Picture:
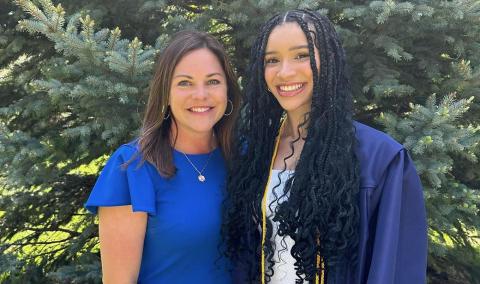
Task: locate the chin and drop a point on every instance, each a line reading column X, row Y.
column 289, row 107
column 203, row 128
column 295, row 107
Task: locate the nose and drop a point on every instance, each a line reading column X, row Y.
column 286, row 70
column 200, row 93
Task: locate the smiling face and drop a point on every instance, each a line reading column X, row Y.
column 198, row 92
column 287, row 68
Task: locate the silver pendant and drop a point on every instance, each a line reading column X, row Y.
column 201, row 178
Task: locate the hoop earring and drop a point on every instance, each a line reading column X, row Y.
column 168, row 114
column 231, row 110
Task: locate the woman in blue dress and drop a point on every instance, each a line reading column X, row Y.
column 314, row 196
column 159, row 198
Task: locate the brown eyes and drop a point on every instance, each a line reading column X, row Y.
column 271, row 60
column 300, row 56
column 213, row 82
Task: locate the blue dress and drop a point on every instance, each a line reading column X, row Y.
column 182, row 239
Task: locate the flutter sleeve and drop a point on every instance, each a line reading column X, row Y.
column 118, row 185
column 400, row 244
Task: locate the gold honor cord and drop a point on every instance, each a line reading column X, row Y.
column 264, row 211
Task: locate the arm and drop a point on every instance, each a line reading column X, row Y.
column 122, row 233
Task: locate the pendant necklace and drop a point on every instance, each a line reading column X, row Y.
column 200, row 177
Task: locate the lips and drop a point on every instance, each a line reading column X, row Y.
column 200, row 109
column 290, row 90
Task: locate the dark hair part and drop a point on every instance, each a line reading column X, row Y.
column 321, row 214
column 155, row 140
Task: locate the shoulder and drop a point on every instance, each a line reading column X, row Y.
column 131, row 147
column 124, row 180
column 375, row 151
column 371, row 138
column 127, row 151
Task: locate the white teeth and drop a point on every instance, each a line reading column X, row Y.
column 290, row 88
column 199, row 109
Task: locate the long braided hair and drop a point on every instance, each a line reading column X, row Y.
column 321, row 214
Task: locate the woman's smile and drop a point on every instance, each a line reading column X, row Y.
column 200, row 109
column 290, row 89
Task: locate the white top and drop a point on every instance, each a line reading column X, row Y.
column 284, row 269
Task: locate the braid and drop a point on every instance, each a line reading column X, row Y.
column 323, row 191
column 240, row 228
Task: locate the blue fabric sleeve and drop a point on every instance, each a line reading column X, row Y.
column 400, row 246
column 117, row 185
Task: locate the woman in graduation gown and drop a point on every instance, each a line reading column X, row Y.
column 159, row 197
column 315, row 196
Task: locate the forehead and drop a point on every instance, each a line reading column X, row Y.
column 201, row 60
column 284, row 36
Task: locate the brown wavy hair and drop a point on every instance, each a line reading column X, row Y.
column 155, row 139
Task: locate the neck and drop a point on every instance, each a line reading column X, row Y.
column 193, row 142
column 294, row 119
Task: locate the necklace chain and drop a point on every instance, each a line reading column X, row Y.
column 201, row 177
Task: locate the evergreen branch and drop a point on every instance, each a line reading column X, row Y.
column 90, row 47
column 73, row 23
column 53, row 24
column 7, row 245
column 101, row 35
column 59, row 18
column 32, row 9
column 87, row 28
column 113, row 39
column 82, row 214
column 48, row 252
column 404, row 8
column 133, row 50
column 32, row 26
column 73, row 233
column 189, row 6
column 48, row 6
column 221, row 34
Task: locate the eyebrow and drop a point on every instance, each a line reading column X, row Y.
column 291, row 48
column 191, row 78
column 214, row 74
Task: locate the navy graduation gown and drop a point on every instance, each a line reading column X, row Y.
column 393, row 230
